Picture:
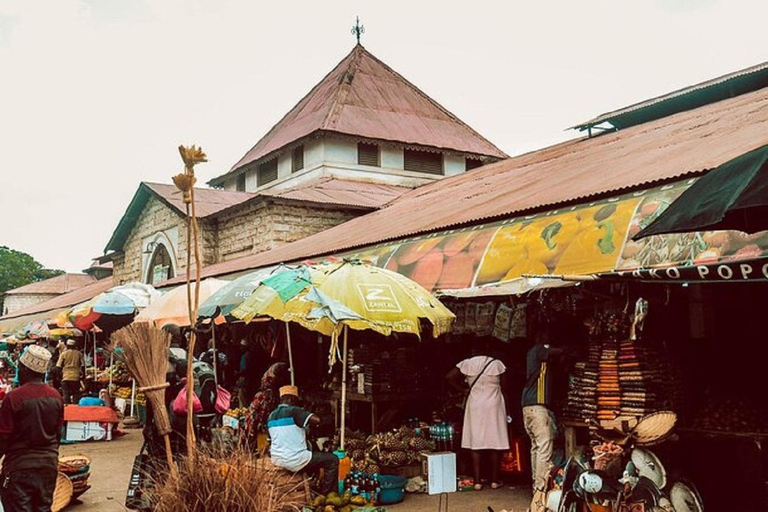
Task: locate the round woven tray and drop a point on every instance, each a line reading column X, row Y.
column 62, row 495
column 654, row 428
column 73, row 463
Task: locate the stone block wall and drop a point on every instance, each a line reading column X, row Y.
column 14, row 302
column 157, row 217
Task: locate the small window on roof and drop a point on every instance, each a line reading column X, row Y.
column 267, row 172
column 240, row 184
column 473, row 163
column 423, row 161
column 297, row 158
column 368, row 154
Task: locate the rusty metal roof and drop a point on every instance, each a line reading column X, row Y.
column 685, row 143
column 334, row 191
column 208, row 201
column 687, row 98
column 63, row 283
column 62, row 301
column 364, row 97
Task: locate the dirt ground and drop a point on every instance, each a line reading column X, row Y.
column 111, row 464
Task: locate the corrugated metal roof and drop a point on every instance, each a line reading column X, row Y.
column 208, row 201
column 688, row 142
column 63, row 283
column 328, row 190
column 65, row 300
column 716, row 89
column 364, row 97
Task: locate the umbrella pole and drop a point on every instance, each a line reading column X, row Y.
column 215, row 357
column 111, row 362
column 133, row 394
column 344, row 388
column 290, row 352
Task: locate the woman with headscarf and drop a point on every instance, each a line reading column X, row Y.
column 265, row 400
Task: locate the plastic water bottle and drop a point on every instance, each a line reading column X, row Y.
column 451, row 436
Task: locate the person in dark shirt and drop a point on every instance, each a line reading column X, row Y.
column 31, row 417
column 538, row 419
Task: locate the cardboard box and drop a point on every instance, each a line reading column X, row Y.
column 87, row 430
column 439, row 470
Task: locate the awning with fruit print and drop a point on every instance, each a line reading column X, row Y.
column 586, row 239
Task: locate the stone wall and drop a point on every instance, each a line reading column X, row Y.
column 157, row 218
column 254, row 227
column 14, row 302
column 265, row 224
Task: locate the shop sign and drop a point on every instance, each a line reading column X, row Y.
column 591, row 238
column 755, row 270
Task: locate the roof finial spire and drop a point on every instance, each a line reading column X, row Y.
column 358, row 29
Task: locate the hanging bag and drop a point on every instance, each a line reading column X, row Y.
column 179, row 405
column 469, row 391
column 223, row 400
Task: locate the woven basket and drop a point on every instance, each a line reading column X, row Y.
column 62, row 495
column 73, row 463
column 654, row 428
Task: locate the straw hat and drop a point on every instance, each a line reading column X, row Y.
column 289, row 390
column 36, row 358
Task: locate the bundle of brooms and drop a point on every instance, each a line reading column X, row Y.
column 145, row 350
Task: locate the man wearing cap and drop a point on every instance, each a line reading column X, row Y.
column 289, row 450
column 31, row 417
column 71, row 364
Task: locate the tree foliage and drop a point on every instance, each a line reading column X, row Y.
column 19, row 268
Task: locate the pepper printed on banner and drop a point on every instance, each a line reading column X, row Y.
column 593, row 238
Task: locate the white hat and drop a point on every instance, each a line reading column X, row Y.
column 71, row 342
column 36, row 358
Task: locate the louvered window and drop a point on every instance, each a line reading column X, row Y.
column 297, row 158
column 423, row 161
column 267, row 172
column 367, row 154
column 240, row 185
column 473, row 164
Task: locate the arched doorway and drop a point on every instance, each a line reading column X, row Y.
column 160, row 266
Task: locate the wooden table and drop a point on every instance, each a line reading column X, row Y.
column 375, row 400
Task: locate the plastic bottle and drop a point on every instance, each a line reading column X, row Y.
column 345, row 465
column 376, row 488
column 451, row 436
column 355, row 486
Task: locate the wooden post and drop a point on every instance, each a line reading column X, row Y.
column 344, row 387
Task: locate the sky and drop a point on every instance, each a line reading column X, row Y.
column 96, row 95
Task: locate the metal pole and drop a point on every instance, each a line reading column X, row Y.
column 111, row 363
column 290, row 352
column 133, row 394
column 215, row 357
column 344, row 388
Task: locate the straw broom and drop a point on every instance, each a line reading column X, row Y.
column 145, row 348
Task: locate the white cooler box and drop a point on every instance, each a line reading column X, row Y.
column 439, row 470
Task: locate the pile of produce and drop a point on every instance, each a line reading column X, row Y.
column 119, row 372
column 239, row 414
column 346, row 502
column 121, row 392
column 399, row 447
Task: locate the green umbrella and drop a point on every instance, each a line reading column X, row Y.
column 733, row 196
column 233, row 294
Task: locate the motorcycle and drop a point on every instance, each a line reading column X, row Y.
column 625, row 475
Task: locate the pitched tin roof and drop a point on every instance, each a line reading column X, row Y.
column 57, row 285
column 334, row 191
column 62, row 301
column 364, row 97
column 571, row 172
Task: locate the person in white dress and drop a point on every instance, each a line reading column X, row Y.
column 485, row 413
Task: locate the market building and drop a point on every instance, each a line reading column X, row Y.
column 41, row 291
column 359, row 139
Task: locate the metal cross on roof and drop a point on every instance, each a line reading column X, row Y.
column 358, row 29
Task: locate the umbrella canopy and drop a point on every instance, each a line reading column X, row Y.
column 733, row 196
column 34, row 330
column 172, row 307
column 232, row 294
column 120, row 300
column 327, row 296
